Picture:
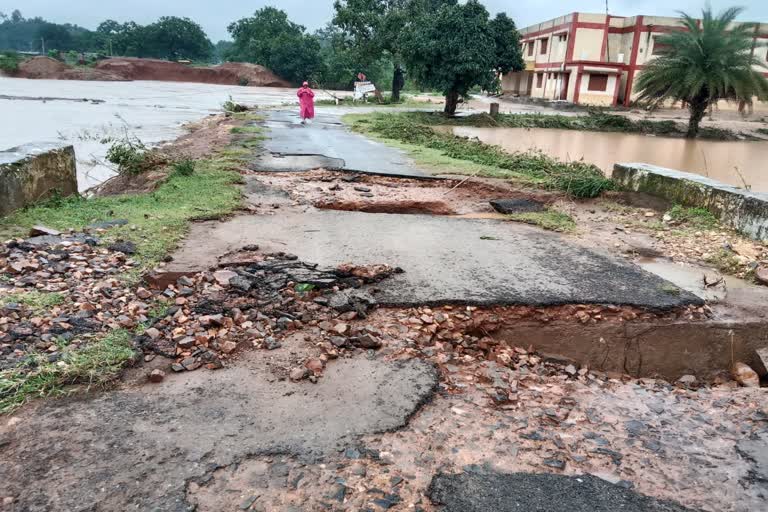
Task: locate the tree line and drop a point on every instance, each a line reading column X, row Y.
column 438, row 44
column 169, row 37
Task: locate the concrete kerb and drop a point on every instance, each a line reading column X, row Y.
column 743, row 210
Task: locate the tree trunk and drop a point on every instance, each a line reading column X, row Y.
column 451, row 102
column 398, row 82
column 698, row 110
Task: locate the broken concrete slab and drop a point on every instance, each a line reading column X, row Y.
column 509, row 206
column 482, row 491
column 145, row 447
column 327, row 142
column 446, row 260
column 35, row 172
column 743, row 210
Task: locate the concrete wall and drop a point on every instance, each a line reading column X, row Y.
column 35, row 172
column 740, row 209
column 588, row 44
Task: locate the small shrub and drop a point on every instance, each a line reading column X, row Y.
column 697, row 218
column 9, row 62
column 233, row 107
column 551, row 220
column 184, row 167
column 130, row 156
column 243, row 81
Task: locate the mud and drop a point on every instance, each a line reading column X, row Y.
column 128, row 68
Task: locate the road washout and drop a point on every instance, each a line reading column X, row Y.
column 273, row 378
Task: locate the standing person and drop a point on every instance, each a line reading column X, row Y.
column 306, row 103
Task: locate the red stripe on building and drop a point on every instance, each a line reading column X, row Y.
column 571, row 37
column 579, row 71
column 633, row 61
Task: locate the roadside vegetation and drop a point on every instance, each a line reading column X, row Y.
column 156, row 222
column 594, row 120
column 549, row 219
column 578, row 179
column 92, row 366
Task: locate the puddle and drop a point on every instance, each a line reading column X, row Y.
column 717, row 160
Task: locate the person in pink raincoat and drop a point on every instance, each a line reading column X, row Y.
column 306, row 103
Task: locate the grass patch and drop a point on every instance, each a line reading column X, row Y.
column 34, row 300
column 578, row 179
column 551, row 220
column 184, row 167
column 593, row 120
column 696, row 218
column 156, row 221
column 762, row 131
column 93, row 365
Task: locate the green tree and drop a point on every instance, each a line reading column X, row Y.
column 269, row 38
column 452, row 50
column 704, row 63
column 176, row 38
column 55, row 36
column 509, row 53
column 220, row 50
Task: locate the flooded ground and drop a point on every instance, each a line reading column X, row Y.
column 84, row 113
column 735, row 163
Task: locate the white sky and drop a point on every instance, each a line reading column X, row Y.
column 215, row 15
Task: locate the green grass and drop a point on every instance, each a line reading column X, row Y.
column 37, row 301
column 550, row 219
column 93, row 365
column 160, row 218
column 762, row 131
column 578, row 179
column 593, row 120
column 696, row 218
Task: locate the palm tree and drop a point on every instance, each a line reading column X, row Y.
column 704, row 63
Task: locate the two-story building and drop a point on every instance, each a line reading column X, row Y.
column 594, row 59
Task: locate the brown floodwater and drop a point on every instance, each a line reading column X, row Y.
column 721, row 161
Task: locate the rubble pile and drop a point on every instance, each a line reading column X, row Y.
column 61, row 291
column 215, row 313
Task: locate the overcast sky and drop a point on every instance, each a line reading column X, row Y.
column 215, row 15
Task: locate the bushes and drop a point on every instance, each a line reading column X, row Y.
column 578, row 179
column 129, row 155
column 9, row 62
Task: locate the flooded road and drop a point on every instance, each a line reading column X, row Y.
column 152, row 111
column 721, row 161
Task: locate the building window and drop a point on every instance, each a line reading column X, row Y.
column 544, row 46
column 530, row 48
column 659, row 48
column 598, row 83
column 539, row 80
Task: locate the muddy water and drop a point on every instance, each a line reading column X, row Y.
column 85, row 113
column 717, row 160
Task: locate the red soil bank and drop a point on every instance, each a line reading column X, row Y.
column 231, row 73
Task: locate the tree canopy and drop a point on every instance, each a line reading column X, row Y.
column 269, row 38
column 169, row 38
column 705, row 63
column 457, row 47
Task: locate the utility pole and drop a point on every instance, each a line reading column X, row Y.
column 42, row 43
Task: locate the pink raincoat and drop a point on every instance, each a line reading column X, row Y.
column 306, row 102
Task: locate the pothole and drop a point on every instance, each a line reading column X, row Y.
column 412, row 207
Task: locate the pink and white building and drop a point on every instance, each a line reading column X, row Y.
column 594, row 59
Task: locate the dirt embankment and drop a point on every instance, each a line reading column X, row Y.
column 124, row 68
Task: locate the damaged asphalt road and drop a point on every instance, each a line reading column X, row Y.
column 479, row 491
column 135, row 450
column 329, row 144
column 446, row 260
